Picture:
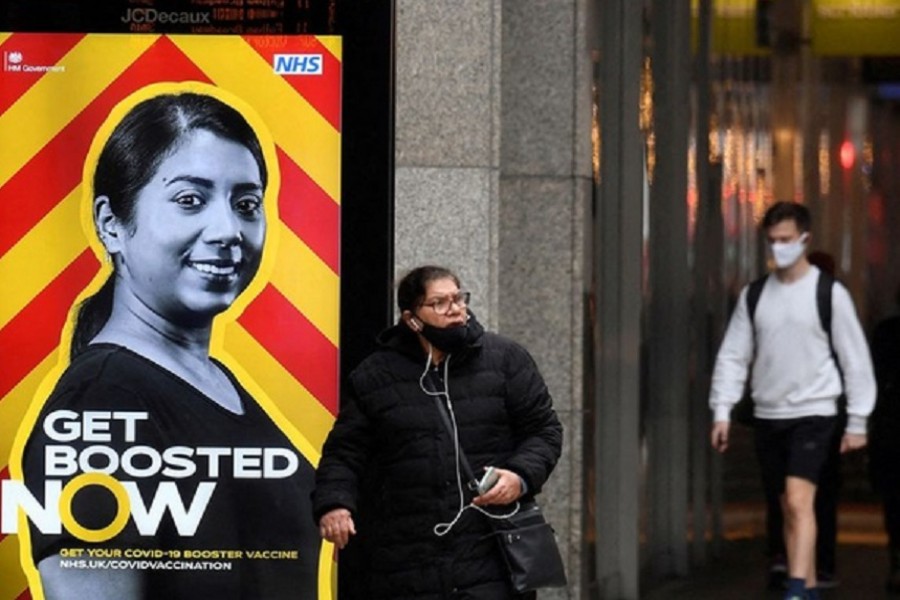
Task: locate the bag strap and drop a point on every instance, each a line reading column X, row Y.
column 463, row 465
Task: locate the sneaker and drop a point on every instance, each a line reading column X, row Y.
column 796, row 590
column 827, row 580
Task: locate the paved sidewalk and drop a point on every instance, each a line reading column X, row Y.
column 740, row 571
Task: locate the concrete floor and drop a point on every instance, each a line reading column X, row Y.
column 739, row 572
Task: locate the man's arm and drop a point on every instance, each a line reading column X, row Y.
column 853, row 441
column 852, row 351
column 719, row 435
column 732, row 367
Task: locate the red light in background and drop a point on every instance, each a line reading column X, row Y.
column 848, row 154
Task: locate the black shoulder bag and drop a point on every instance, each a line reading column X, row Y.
column 527, row 541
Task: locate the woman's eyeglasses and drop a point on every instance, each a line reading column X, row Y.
column 441, row 306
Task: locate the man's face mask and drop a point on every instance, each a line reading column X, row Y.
column 787, row 254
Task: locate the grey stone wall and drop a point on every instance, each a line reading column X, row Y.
column 447, row 122
column 545, row 190
column 493, row 167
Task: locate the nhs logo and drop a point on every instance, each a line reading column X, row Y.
column 297, row 64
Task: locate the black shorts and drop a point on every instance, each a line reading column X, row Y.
column 794, row 448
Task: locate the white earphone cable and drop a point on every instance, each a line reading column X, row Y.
column 442, row 529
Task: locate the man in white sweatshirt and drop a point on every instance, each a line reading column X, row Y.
column 795, row 382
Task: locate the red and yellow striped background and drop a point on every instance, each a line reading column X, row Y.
column 286, row 340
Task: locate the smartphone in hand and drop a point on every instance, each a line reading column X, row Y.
column 488, row 480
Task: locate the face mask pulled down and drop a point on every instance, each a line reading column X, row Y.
column 446, row 339
column 786, row 254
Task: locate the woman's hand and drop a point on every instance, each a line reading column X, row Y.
column 337, row 526
column 506, row 491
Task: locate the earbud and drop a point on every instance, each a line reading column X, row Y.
column 413, row 324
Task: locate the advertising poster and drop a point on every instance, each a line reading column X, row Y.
column 169, row 258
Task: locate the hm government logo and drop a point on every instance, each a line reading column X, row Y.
column 297, row 64
column 14, row 62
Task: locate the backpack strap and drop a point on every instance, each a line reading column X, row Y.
column 754, row 291
column 743, row 411
column 823, row 301
column 823, row 304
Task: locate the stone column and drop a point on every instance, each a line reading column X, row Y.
column 545, row 190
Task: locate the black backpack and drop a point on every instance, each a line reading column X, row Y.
column 742, row 412
column 823, row 304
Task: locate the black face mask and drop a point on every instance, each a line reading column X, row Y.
column 446, row 339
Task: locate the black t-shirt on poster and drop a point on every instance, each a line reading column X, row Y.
column 118, row 412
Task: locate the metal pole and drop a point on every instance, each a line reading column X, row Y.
column 669, row 333
column 617, row 278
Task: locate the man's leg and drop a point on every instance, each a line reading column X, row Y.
column 800, row 529
column 810, row 443
column 771, row 452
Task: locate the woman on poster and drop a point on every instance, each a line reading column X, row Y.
column 180, row 485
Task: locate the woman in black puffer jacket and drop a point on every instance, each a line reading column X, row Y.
column 391, row 458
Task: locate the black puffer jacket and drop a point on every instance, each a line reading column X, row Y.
column 390, row 455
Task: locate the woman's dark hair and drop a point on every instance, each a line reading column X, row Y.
column 411, row 290
column 784, row 210
column 140, row 142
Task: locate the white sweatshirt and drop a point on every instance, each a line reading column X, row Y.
column 794, row 374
